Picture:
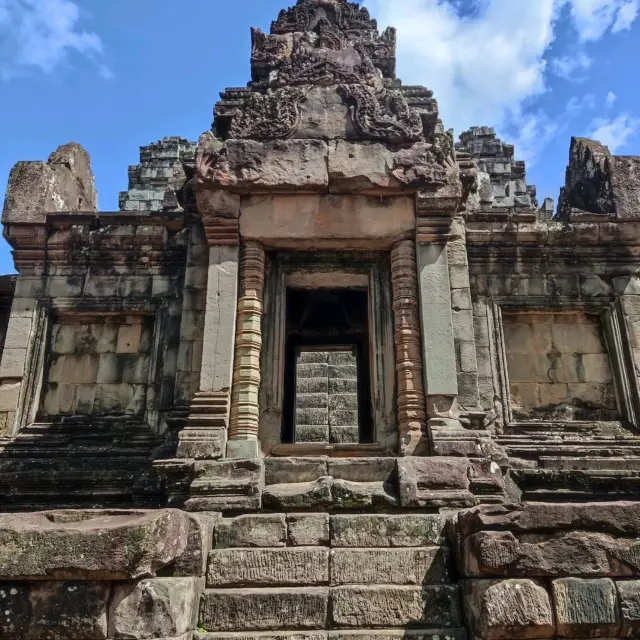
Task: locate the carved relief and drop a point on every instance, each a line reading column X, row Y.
column 270, row 116
column 411, row 397
column 382, row 115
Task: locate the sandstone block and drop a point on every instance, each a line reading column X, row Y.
column 378, row 530
column 586, row 608
column 629, row 597
column 308, row 530
column 508, row 609
column 268, row 567
column 90, row 545
column 386, row 606
column 69, row 610
column 493, row 553
column 398, row 634
column 64, row 183
column 279, row 165
column 361, row 495
column 193, row 561
column 298, row 496
column 264, row 609
column 290, row 470
column 268, row 635
column 260, row 530
column 617, row 518
column 363, row 469
column 154, row 608
column 418, row 566
column 434, row 482
column 226, row 485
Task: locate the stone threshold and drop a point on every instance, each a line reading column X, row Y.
column 309, row 450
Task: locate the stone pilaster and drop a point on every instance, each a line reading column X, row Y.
column 245, row 415
column 206, row 434
column 411, row 398
column 438, row 346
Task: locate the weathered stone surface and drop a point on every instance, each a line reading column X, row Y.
column 629, row 598
column 298, row 496
column 379, row 530
column 154, row 608
column 303, row 221
column 288, row 470
column 385, row 606
column 69, row 610
column 626, row 185
column 280, row 165
column 268, row 635
column 193, row 562
column 508, row 609
column 617, row 518
column 264, row 609
column 359, row 495
column 586, row 608
column 371, row 166
column 390, row 566
column 495, row 553
column 227, row 485
column 268, row 567
column 86, row 545
column 396, row 634
column 363, row 469
column 260, row 530
column 307, row 530
column 64, row 183
column 434, row 482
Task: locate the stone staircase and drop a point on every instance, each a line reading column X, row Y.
column 322, row 576
column 79, row 464
column 573, row 460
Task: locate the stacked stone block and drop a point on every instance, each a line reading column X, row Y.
column 100, row 368
column 327, row 397
column 558, row 367
column 502, row 179
column 568, row 571
column 315, row 575
column 154, row 182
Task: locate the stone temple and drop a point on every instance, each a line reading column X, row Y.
column 329, row 374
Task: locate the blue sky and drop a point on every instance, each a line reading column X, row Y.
column 117, row 74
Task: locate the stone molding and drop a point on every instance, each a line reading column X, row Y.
column 245, row 414
column 411, row 398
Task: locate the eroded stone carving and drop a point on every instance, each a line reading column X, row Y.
column 382, row 115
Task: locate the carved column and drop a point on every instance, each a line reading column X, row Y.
column 245, row 414
column 411, row 398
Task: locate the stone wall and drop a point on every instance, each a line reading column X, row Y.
column 542, row 571
column 98, row 366
column 558, row 367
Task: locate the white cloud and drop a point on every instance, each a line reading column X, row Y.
column 569, row 67
column 626, row 16
column 488, row 63
column 611, row 99
column 42, row 34
column 616, row 132
column 593, row 18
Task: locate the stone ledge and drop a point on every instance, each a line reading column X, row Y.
column 90, row 545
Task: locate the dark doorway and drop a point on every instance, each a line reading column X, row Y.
column 327, row 370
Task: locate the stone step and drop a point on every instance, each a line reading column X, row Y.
column 310, row 608
column 583, row 484
column 589, row 463
column 361, row 634
column 318, row 566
